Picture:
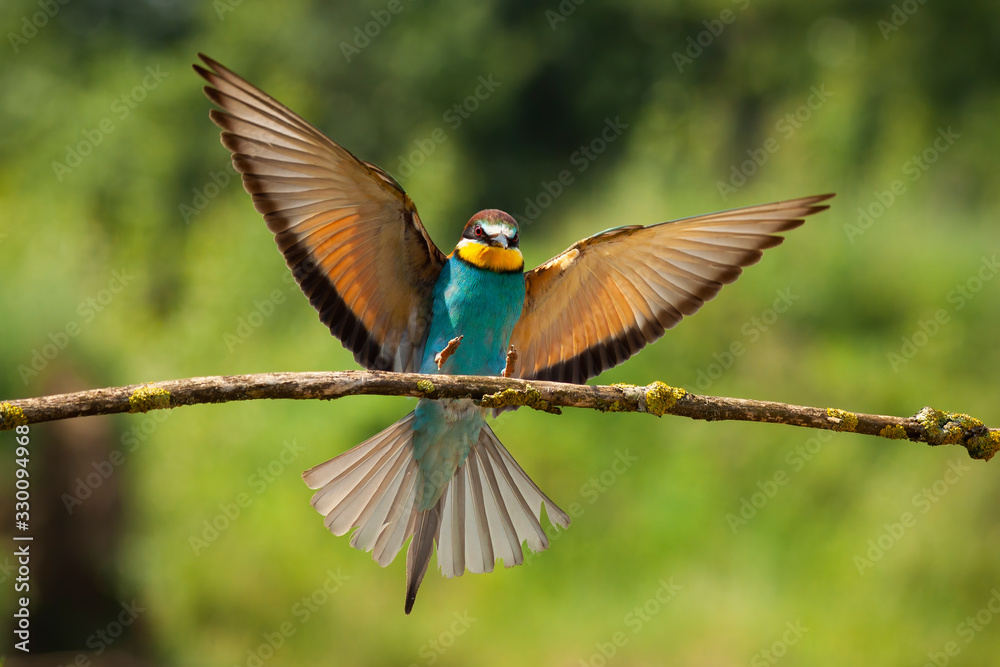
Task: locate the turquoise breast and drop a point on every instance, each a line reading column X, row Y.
column 481, row 305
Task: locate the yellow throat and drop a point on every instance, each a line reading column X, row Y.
column 501, row 260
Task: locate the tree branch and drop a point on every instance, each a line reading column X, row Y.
column 930, row 426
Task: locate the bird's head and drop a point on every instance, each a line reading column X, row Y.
column 490, row 241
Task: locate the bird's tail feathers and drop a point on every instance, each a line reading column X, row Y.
column 487, row 511
column 372, row 488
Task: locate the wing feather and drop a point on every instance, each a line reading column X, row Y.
column 606, row 297
column 348, row 231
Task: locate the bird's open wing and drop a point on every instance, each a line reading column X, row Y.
column 606, row 297
column 350, row 235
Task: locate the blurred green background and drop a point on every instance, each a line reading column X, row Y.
column 849, row 550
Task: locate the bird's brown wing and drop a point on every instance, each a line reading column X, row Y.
column 348, row 231
column 607, row 296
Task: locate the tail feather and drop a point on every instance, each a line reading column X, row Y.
column 489, row 508
column 419, row 554
column 479, row 556
column 369, row 488
column 324, row 473
column 351, row 472
column 365, row 496
column 528, row 491
column 401, row 520
column 375, row 517
column 451, row 528
column 506, row 544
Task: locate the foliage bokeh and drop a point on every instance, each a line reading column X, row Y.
column 198, row 262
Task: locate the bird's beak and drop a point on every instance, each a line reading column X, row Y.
column 498, row 241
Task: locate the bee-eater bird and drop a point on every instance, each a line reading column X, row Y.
column 357, row 248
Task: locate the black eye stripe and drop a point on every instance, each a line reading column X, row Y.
column 476, row 231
